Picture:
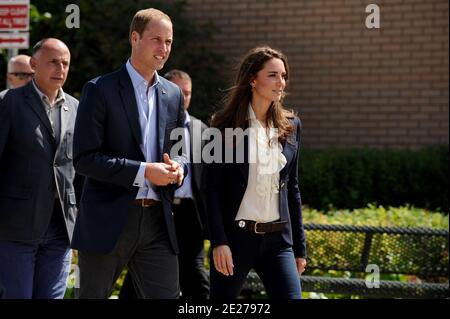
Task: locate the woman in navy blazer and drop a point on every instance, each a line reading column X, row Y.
column 253, row 200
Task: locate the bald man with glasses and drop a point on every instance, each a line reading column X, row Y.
column 19, row 72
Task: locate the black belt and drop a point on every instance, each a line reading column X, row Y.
column 261, row 228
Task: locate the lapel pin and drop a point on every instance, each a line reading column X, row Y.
column 65, row 108
column 163, row 91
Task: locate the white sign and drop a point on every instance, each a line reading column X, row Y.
column 14, row 40
column 14, row 15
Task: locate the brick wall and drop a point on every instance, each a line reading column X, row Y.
column 352, row 86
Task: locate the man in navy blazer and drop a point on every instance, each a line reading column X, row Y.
column 37, row 196
column 121, row 145
column 188, row 207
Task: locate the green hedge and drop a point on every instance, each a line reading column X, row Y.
column 321, row 248
column 379, row 216
column 353, row 178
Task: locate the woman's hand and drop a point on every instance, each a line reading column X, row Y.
column 223, row 261
column 301, row 265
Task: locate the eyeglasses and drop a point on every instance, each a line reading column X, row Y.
column 22, row 75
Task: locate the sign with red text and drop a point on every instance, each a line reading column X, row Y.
column 14, row 15
column 14, row 40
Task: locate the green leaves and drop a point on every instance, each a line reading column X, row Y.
column 372, row 215
column 353, row 178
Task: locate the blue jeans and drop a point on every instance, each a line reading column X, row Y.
column 37, row 269
column 268, row 255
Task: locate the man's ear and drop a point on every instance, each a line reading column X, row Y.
column 134, row 37
column 33, row 63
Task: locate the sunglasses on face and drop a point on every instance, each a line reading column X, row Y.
column 22, row 75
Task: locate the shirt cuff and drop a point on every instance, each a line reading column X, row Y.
column 139, row 181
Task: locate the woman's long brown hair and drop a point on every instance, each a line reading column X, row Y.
column 234, row 114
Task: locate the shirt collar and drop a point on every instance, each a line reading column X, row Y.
column 137, row 79
column 187, row 119
column 251, row 114
column 60, row 97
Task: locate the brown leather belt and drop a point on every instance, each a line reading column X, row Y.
column 146, row 202
column 261, row 228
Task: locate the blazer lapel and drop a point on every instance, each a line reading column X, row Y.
column 284, row 152
column 161, row 104
column 34, row 102
column 66, row 114
column 289, row 151
column 130, row 105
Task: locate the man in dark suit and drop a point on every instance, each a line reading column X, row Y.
column 188, row 207
column 37, row 196
column 122, row 137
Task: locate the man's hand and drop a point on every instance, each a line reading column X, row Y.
column 162, row 174
column 175, row 167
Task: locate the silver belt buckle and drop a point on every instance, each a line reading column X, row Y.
column 176, row 201
column 256, row 228
column 143, row 204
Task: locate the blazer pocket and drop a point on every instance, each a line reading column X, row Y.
column 16, row 192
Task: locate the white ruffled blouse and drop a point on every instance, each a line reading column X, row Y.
column 261, row 198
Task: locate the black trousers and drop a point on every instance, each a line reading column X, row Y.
column 271, row 258
column 144, row 246
column 194, row 281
